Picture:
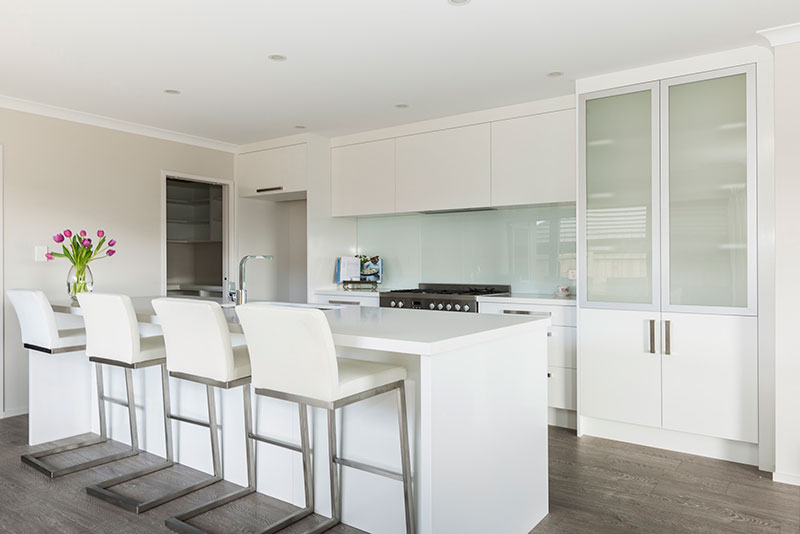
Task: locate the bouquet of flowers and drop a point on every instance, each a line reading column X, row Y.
column 80, row 251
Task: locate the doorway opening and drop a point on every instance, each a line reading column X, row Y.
column 196, row 246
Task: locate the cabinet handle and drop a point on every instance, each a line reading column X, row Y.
column 268, row 189
column 667, row 338
column 516, row 312
column 344, row 302
column 652, row 336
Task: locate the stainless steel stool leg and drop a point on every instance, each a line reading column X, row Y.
column 35, row 459
column 411, row 523
column 336, row 494
column 102, row 490
column 180, row 523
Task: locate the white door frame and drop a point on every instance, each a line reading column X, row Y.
column 228, row 226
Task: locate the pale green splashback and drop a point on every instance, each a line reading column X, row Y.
column 532, row 248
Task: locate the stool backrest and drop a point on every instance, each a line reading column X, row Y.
column 112, row 331
column 36, row 317
column 196, row 337
column 291, row 350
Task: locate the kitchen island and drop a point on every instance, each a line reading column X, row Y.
column 477, row 398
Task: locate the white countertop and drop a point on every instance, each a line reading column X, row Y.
column 385, row 329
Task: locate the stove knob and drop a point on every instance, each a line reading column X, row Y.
column 466, row 307
column 393, row 304
column 458, row 307
column 432, row 305
column 440, row 306
column 449, row 307
column 400, row 304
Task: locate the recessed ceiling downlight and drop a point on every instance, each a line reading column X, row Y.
column 458, row 2
column 555, row 74
column 401, row 106
column 172, row 91
column 277, row 57
column 300, row 127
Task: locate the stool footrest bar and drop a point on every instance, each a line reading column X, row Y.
column 276, row 442
column 116, row 401
column 369, row 468
column 189, row 420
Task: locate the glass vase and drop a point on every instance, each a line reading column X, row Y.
column 79, row 280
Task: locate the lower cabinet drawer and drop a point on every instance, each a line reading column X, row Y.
column 345, row 300
column 559, row 315
column 562, row 388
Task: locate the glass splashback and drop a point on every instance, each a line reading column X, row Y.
column 708, row 192
column 531, row 248
column 619, row 199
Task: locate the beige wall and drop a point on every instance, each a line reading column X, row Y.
column 787, row 259
column 60, row 174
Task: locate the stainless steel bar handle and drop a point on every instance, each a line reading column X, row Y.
column 516, row 312
column 343, row 302
column 666, row 338
column 652, row 336
column 268, row 189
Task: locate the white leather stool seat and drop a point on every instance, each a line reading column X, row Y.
column 357, row 376
column 151, row 348
column 71, row 337
column 114, row 330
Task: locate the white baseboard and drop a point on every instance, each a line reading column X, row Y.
column 786, row 479
column 722, row 449
column 13, row 413
column 562, row 418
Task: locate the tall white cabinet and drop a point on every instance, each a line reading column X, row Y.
column 668, row 315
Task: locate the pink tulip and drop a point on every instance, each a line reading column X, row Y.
column 58, row 238
column 67, row 233
column 49, row 256
column 100, row 233
column 111, row 252
column 86, row 242
column 112, row 243
column 82, row 233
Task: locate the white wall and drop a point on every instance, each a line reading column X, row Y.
column 60, row 174
column 787, row 263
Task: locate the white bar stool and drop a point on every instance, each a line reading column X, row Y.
column 294, row 358
column 112, row 338
column 40, row 333
column 199, row 349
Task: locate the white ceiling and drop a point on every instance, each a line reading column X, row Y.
column 349, row 61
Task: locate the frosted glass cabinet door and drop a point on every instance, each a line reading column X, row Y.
column 708, row 193
column 620, row 199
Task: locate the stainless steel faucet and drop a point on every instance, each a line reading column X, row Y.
column 241, row 293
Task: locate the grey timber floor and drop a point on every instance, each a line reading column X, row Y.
column 597, row 486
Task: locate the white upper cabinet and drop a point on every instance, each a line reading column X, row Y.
column 363, row 178
column 444, row 170
column 533, row 159
column 276, row 172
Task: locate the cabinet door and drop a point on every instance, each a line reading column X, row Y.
column 362, row 179
column 618, row 206
column 533, row 159
column 620, row 366
column 273, row 172
column 444, row 170
column 561, row 390
column 710, row 375
column 708, row 193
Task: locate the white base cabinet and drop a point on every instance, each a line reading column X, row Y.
column 710, row 376
column 684, row 372
column 619, row 375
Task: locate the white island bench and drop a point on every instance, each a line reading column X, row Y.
column 477, row 397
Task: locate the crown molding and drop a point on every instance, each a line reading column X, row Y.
column 91, row 119
column 782, row 35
